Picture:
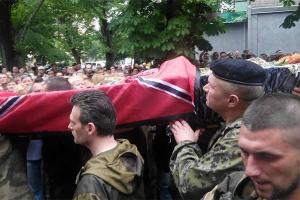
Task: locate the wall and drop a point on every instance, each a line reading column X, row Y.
column 234, row 39
column 261, row 34
column 265, row 34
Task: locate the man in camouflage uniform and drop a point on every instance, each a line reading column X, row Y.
column 231, row 87
column 13, row 181
column 269, row 140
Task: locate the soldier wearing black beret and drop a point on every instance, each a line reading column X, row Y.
column 231, row 87
column 239, row 71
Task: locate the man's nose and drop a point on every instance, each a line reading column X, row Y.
column 206, row 88
column 69, row 126
column 252, row 168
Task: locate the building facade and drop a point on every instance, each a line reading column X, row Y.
column 260, row 31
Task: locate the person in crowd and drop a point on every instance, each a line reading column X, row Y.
column 223, row 55
column 4, row 70
column 57, row 84
column 134, row 71
column 17, row 79
column 204, row 60
column 232, row 86
column 88, row 70
column 78, row 81
column 13, row 181
column 296, row 91
column 61, row 157
column 50, row 73
column 214, row 56
column 116, row 167
column 41, row 72
column 237, row 55
column 4, row 80
column 27, row 82
column 15, row 71
column 112, row 70
column 37, row 86
column 98, row 78
column 22, row 70
column 70, row 71
column 264, row 56
column 269, row 141
column 34, row 157
column 54, row 68
column 11, row 86
column 162, row 147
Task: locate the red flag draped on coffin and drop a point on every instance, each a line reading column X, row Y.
column 154, row 94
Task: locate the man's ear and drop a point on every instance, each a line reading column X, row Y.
column 91, row 128
column 233, row 100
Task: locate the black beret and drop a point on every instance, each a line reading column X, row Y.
column 239, row 71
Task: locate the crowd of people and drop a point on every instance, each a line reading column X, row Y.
column 20, row 80
column 238, row 163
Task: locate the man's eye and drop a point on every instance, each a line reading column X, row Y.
column 265, row 156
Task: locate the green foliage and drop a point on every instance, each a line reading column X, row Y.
column 144, row 29
column 287, row 3
column 160, row 30
column 290, row 20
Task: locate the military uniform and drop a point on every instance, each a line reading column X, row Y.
column 195, row 173
column 112, row 175
column 13, row 181
column 236, row 186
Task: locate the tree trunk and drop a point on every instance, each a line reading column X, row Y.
column 76, row 56
column 107, row 38
column 6, row 36
column 23, row 32
column 75, row 53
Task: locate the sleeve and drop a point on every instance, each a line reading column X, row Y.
column 195, row 174
column 90, row 187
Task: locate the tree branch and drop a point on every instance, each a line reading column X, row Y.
column 29, row 20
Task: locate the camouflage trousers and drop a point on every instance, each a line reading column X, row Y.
column 13, row 181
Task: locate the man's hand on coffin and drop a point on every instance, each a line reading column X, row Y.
column 183, row 132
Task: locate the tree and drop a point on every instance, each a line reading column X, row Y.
column 105, row 11
column 9, row 34
column 163, row 29
column 6, row 39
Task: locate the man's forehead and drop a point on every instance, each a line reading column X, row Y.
column 262, row 140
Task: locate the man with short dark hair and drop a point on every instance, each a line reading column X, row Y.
column 115, row 170
column 269, row 140
column 231, row 87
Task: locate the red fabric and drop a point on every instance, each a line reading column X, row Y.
column 6, row 94
column 134, row 102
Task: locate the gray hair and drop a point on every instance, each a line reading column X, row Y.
column 245, row 92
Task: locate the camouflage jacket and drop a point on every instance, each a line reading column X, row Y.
column 236, row 186
column 13, row 181
column 112, row 175
column 195, row 173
